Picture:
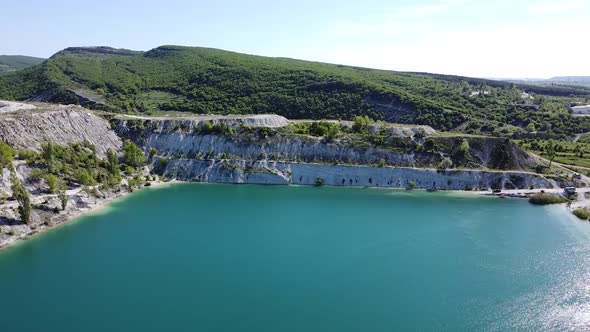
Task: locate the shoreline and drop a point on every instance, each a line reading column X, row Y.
column 66, row 218
column 102, row 204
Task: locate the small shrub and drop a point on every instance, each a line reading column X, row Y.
column 582, row 214
column 445, row 163
column 129, row 170
column 11, row 232
column 63, row 196
column 411, row 184
column 153, row 152
column 544, row 199
column 52, row 182
column 381, row 162
column 6, row 155
column 464, row 148
column 37, row 174
column 264, row 132
column 361, row 123
column 147, row 184
column 28, row 155
column 319, row 182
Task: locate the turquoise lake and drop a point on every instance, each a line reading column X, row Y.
column 204, row 257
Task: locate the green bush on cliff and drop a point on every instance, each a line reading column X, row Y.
column 361, row 123
column 132, row 154
column 29, row 156
column 324, row 129
column 153, row 152
column 63, row 196
column 20, row 193
column 52, row 182
column 6, row 155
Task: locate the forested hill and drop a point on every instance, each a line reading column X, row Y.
column 9, row 63
column 202, row 80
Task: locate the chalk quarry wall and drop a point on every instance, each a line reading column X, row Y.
column 302, row 160
column 270, row 172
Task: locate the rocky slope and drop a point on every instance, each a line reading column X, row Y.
column 26, row 128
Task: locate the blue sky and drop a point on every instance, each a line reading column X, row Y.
column 498, row 38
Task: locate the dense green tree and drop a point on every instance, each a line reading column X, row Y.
column 84, row 177
column 113, row 162
column 361, row 123
column 52, row 182
column 153, row 152
column 48, row 152
column 20, row 193
column 132, row 154
column 464, row 148
column 63, row 196
column 325, row 129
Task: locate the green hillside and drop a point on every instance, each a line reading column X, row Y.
column 202, row 80
column 9, row 63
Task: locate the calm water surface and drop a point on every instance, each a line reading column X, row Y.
column 197, row 257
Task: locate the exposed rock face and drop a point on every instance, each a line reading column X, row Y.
column 58, row 124
column 166, row 124
column 265, row 172
column 410, row 131
column 174, row 138
column 12, row 106
column 284, row 159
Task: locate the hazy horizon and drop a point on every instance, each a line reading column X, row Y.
column 530, row 39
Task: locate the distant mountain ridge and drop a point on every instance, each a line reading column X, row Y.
column 9, row 63
column 205, row 80
column 556, row 80
column 571, row 79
